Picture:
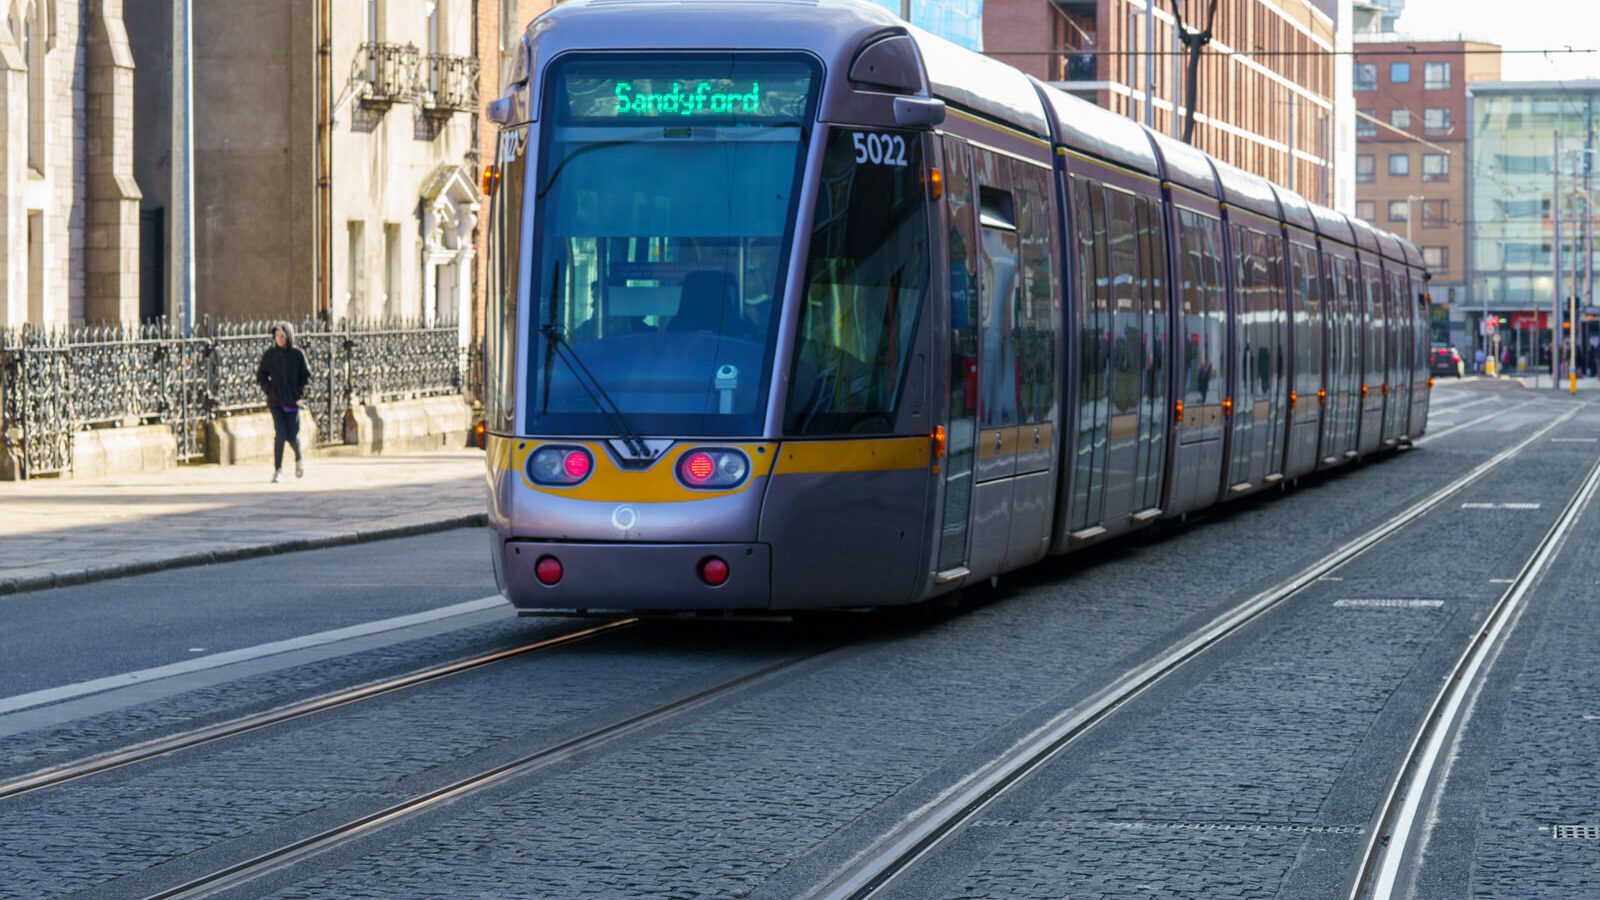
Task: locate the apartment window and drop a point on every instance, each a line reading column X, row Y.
column 1399, row 210
column 1365, row 127
column 1435, row 76
column 1366, row 76
column 1367, row 210
column 1436, row 120
column 1435, row 167
column 1435, row 213
column 1400, row 73
column 1436, row 258
column 1400, row 118
column 1366, row 167
column 1399, row 164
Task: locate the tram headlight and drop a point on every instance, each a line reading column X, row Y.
column 713, row 468
column 560, row 466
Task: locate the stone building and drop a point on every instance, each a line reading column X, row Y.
column 341, row 185
column 69, row 231
column 1268, row 83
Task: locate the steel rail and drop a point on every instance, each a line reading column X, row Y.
column 1389, row 859
column 162, row 746
column 251, row 869
column 1434, row 435
column 930, row 825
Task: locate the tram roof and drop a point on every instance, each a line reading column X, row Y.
column 1296, row 209
column 979, row 83
column 1366, row 235
column 1247, row 191
column 835, row 31
column 1086, row 128
column 1185, row 165
column 1332, row 224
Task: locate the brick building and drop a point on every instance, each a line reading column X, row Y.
column 1267, row 82
column 1411, row 147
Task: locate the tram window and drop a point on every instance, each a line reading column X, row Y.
column 1036, row 325
column 1309, row 311
column 1204, row 317
column 864, row 289
column 1127, row 353
column 663, row 230
column 505, row 252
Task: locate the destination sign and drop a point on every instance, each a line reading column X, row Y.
column 761, row 89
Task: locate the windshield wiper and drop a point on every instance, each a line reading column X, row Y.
column 556, row 343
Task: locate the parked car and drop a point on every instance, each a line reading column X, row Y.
column 1444, row 360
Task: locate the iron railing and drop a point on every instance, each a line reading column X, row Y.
column 54, row 382
column 387, row 73
column 449, row 84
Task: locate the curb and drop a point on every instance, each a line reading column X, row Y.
column 106, row 573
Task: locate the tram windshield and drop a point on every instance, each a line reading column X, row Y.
column 664, row 212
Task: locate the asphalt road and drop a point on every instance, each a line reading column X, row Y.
column 1252, row 771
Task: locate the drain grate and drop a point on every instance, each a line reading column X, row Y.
column 1575, row 832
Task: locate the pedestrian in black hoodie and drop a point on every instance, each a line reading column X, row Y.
column 283, row 375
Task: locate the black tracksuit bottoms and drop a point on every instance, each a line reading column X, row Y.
column 286, row 430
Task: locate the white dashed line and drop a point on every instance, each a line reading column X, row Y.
column 1388, row 604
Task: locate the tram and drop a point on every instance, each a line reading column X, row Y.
column 795, row 306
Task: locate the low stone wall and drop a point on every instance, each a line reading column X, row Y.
column 123, row 451
column 409, row 426
column 247, row 439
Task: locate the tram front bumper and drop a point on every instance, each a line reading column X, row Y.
column 631, row 576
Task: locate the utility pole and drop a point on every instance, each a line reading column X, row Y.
column 181, row 255
column 1555, row 293
column 1150, row 63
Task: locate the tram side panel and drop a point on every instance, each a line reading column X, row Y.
column 1200, row 351
column 1372, row 321
column 847, row 508
column 1309, row 327
column 1418, row 297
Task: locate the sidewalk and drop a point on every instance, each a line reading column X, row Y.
column 56, row 533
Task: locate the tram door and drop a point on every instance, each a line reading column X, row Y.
column 962, row 412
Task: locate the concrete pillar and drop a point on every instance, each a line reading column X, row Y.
column 111, row 257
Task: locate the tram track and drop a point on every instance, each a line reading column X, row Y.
column 287, row 855
column 96, row 765
column 927, row 828
column 1396, row 837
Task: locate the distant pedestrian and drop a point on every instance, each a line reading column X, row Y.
column 1477, row 360
column 283, row 376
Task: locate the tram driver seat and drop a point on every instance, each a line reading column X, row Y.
column 707, row 304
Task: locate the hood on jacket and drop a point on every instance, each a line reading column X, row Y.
column 288, row 332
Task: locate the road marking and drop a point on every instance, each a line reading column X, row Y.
column 1502, row 581
column 1499, row 506
column 244, row 654
column 1574, row 440
column 1379, row 603
column 1330, row 578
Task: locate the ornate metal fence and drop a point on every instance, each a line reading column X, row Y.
column 56, row 382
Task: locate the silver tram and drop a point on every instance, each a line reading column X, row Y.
column 793, row 306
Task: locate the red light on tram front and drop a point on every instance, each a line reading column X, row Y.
column 713, row 571
column 700, row 468
column 577, row 465
column 548, row 570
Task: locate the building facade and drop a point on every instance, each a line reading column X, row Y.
column 1267, row 82
column 69, row 232
column 1519, row 183
column 1411, row 148
column 341, row 185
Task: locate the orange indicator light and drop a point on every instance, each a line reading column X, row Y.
column 939, row 441
column 1294, row 399
column 1322, row 396
column 1227, row 406
column 1177, row 410
column 935, row 182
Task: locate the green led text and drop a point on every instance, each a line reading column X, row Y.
column 702, row 100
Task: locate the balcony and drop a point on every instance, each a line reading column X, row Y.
column 449, row 84
column 386, row 73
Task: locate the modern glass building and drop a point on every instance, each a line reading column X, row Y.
column 1512, row 165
